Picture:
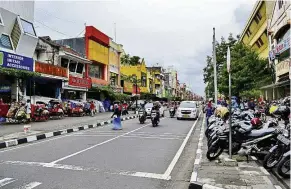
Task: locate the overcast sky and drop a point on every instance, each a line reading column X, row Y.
column 168, row 32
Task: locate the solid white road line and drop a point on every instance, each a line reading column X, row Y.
column 31, row 185
column 264, row 171
column 179, row 152
column 6, row 181
column 99, row 144
column 277, row 187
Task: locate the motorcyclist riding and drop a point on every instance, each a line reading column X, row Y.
column 156, row 107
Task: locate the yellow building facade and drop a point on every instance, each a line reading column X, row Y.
column 254, row 34
column 140, row 72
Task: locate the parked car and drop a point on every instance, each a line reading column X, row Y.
column 187, row 110
column 149, row 106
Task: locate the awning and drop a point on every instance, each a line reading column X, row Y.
column 276, row 85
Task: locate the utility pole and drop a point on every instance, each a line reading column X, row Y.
column 115, row 32
column 214, row 66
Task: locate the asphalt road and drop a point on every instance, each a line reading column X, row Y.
column 54, row 124
column 139, row 156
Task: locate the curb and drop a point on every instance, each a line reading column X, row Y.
column 197, row 185
column 32, row 138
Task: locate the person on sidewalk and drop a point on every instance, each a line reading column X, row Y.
column 116, row 115
column 209, row 111
column 92, row 108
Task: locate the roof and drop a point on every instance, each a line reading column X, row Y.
column 48, row 40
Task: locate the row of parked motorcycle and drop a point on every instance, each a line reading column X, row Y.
column 253, row 135
column 41, row 111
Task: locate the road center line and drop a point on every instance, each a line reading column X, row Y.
column 99, row 144
column 179, row 152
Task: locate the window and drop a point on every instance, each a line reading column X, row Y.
column 27, row 27
column 280, row 3
column 80, row 68
column 113, row 79
column 5, row 42
column 249, row 33
column 260, row 42
column 72, row 66
column 64, row 62
column 96, row 71
column 258, row 17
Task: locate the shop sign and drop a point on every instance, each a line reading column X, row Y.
column 16, row 61
column 5, row 88
column 283, row 45
column 51, row 69
column 113, row 69
column 80, row 82
column 283, row 67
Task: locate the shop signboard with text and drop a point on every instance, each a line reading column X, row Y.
column 80, row 82
column 10, row 60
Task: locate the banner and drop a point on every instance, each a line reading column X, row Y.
column 15, row 61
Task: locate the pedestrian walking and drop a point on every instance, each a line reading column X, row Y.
column 116, row 115
column 92, row 108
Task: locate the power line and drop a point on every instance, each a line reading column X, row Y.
column 52, row 28
column 51, row 14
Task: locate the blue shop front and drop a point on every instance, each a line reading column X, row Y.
column 12, row 87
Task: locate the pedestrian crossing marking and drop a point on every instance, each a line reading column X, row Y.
column 6, row 181
column 30, row 185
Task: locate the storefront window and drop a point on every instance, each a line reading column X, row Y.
column 80, row 68
column 72, row 66
column 113, row 79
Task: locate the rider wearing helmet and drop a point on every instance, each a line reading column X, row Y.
column 156, row 107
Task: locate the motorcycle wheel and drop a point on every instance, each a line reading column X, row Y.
column 213, row 152
column 272, row 158
column 283, row 168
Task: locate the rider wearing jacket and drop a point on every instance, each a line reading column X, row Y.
column 156, row 107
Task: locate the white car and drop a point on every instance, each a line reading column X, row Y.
column 187, row 110
column 148, row 108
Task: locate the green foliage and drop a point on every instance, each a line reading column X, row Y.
column 248, row 71
column 113, row 95
column 128, row 60
column 251, row 94
column 18, row 73
column 131, row 79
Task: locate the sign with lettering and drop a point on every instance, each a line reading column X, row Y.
column 283, row 67
column 80, row 82
column 15, row 61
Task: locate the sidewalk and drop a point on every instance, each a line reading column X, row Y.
column 227, row 173
column 15, row 131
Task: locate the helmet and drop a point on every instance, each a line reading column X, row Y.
column 256, row 122
column 156, row 103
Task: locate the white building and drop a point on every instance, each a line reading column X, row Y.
column 18, row 41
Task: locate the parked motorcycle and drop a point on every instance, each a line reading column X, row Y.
column 276, row 152
column 154, row 118
column 172, row 112
column 283, row 168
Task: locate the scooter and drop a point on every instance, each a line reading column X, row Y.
column 154, row 118
column 172, row 112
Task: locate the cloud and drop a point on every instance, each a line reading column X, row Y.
column 168, row 32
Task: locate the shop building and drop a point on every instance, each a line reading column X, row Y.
column 114, row 66
column 136, row 78
column 17, row 44
column 279, row 54
column 62, row 69
column 95, row 47
column 159, row 84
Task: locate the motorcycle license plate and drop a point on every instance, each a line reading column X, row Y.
column 185, row 116
column 283, row 139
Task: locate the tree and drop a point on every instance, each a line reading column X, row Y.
column 134, row 60
column 249, row 72
column 125, row 59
